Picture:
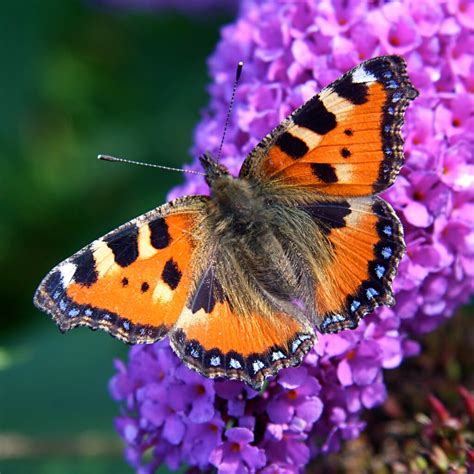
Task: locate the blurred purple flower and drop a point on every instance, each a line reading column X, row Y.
column 184, row 6
column 290, row 51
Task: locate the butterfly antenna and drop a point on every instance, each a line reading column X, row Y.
column 238, row 72
column 150, row 165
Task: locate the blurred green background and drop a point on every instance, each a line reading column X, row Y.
column 77, row 81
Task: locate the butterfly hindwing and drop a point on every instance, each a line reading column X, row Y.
column 365, row 240
column 346, row 140
column 218, row 341
column 134, row 281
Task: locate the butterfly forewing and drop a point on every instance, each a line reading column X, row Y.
column 134, row 281
column 345, row 141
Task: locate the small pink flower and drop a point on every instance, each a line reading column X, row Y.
column 428, row 16
column 463, row 11
column 456, row 116
column 395, row 28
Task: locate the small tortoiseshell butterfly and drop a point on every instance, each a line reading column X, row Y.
column 299, row 240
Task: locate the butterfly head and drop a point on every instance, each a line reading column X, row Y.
column 234, row 200
column 213, row 169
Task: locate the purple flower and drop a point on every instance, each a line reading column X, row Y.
column 237, row 455
column 395, row 28
column 463, row 10
column 185, row 6
column 200, row 392
column 288, row 451
column 290, row 51
column 201, row 440
column 296, row 403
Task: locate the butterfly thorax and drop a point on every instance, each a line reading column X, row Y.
column 236, row 207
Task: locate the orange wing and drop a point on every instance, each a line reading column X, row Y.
column 346, row 140
column 134, row 281
column 212, row 338
column 365, row 241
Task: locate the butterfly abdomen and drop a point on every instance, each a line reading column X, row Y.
column 252, row 256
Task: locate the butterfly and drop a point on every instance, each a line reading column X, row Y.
column 241, row 280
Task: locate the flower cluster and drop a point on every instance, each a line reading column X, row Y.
column 291, row 50
column 183, row 417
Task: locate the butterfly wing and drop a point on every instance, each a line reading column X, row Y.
column 345, row 141
column 364, row 239
column 134, row 281
column 215, row 338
